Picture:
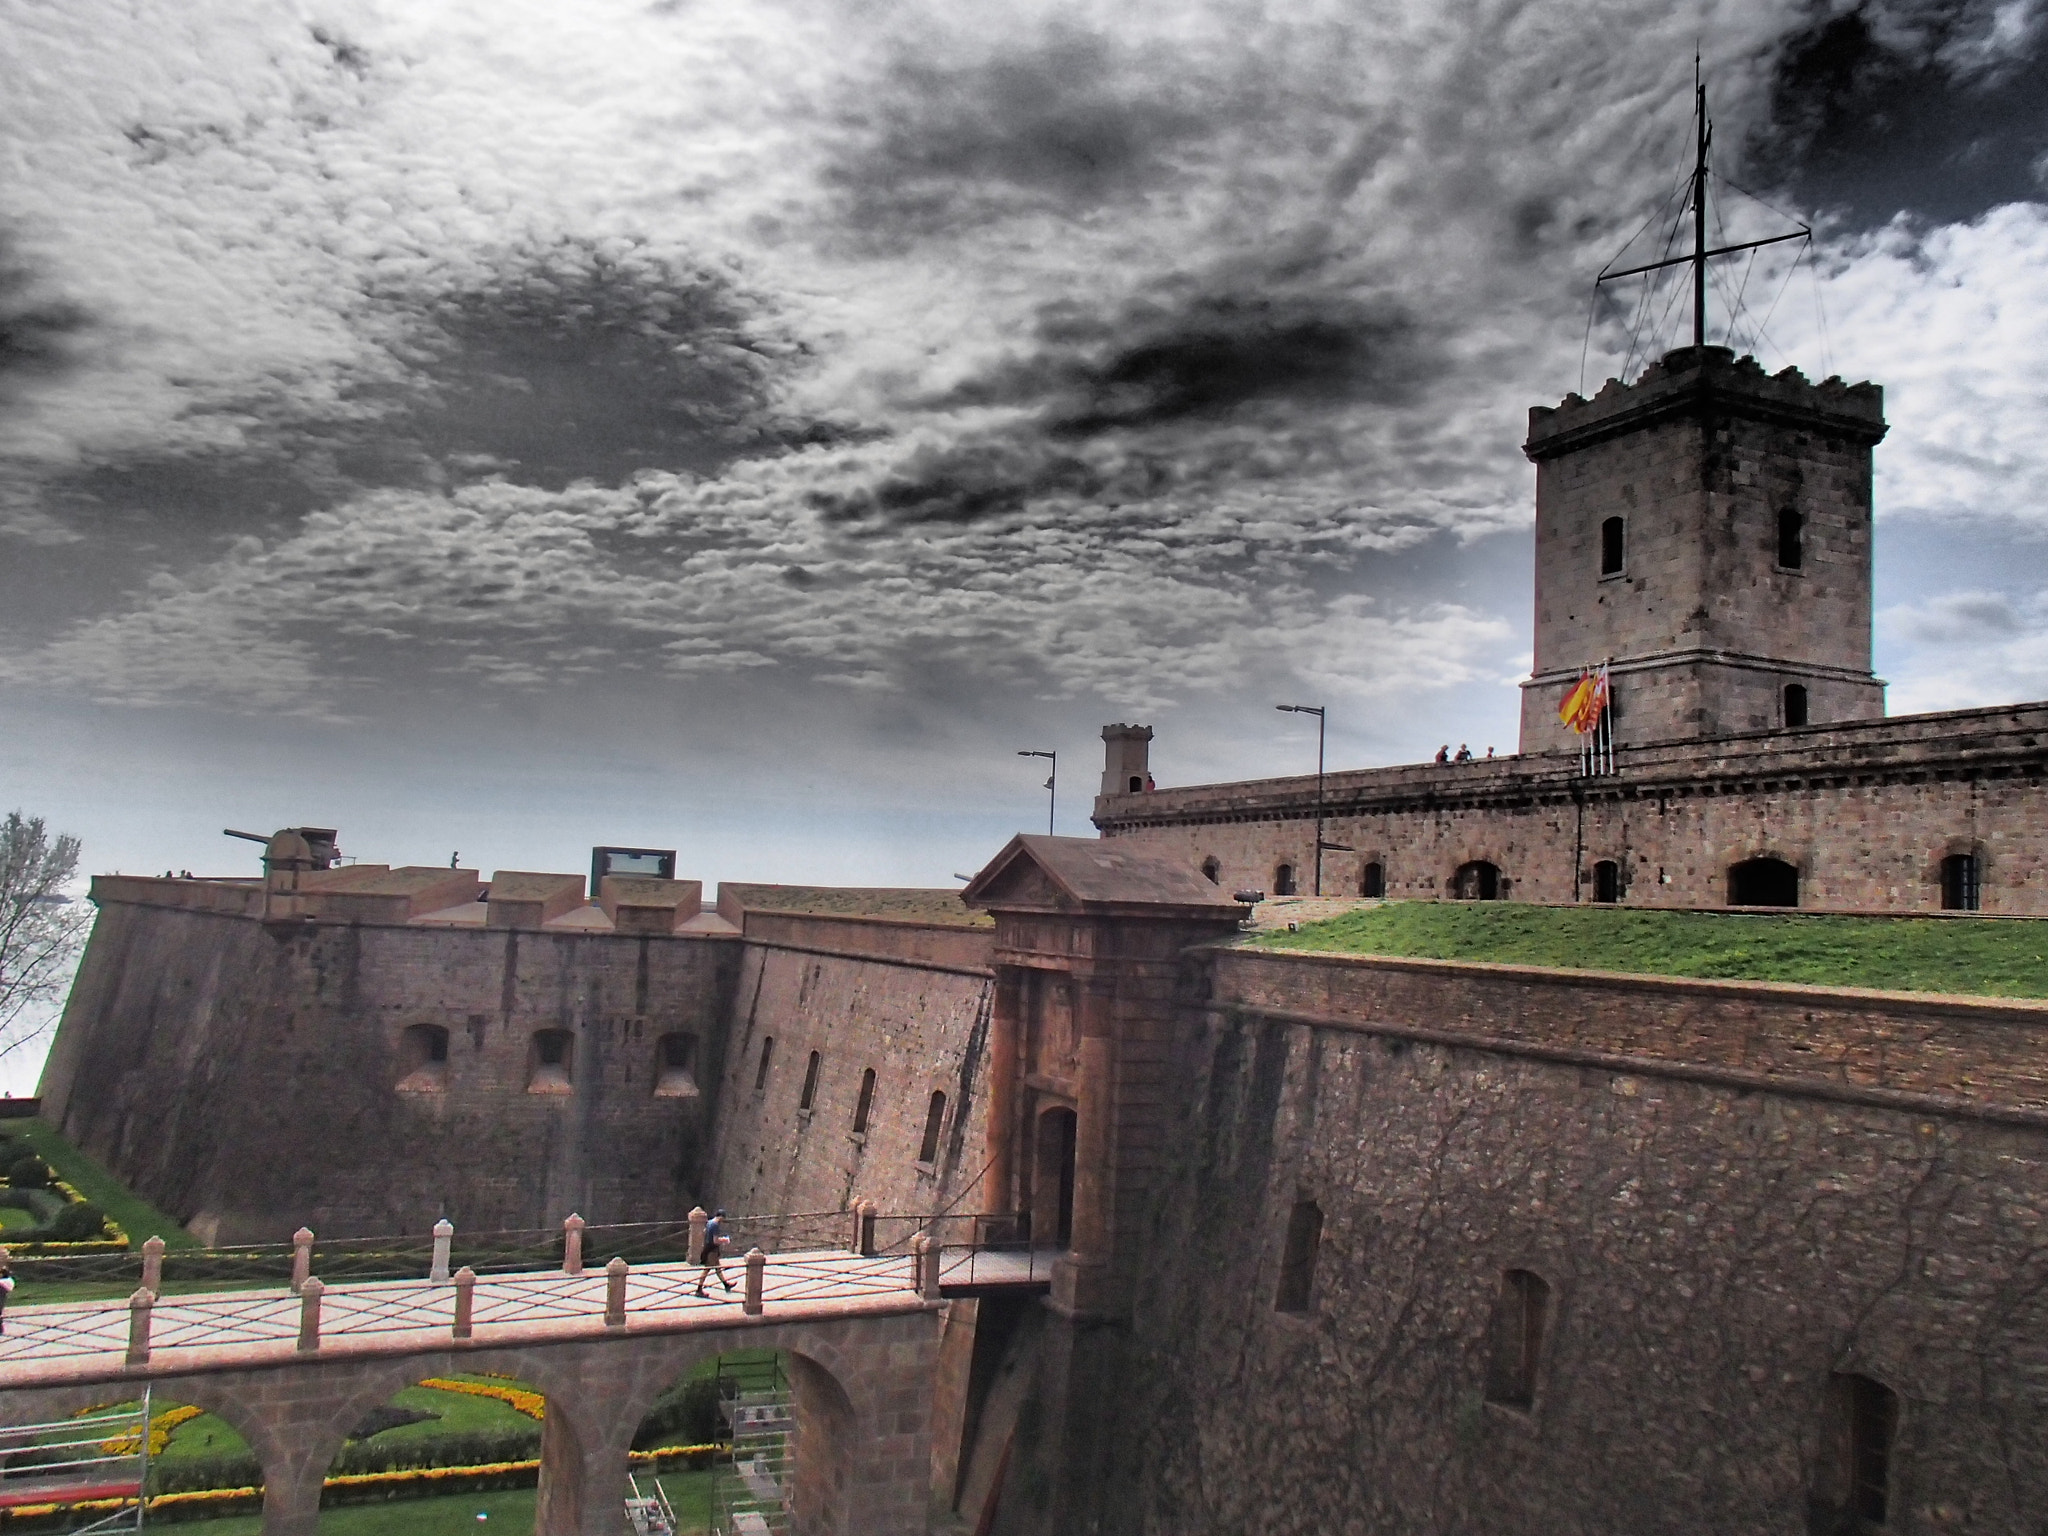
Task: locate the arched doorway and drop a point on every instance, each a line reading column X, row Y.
column 1476, row 881
column 1052, row 1179
column 1763, row 883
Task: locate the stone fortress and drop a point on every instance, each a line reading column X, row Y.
column 1705, row 531
column 1344, row 1244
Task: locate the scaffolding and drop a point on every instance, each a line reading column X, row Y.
column 650, row 1514
column 750, row 1494
column 94, row 1469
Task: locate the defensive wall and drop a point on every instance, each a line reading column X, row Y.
column 383, row 1056
column 1865, row 813
column 1750, row 1212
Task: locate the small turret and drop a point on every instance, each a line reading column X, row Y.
column 1127, row 750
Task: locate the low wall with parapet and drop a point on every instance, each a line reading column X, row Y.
column 908, row 1001
column 1736, row 1194
column 1865, row 812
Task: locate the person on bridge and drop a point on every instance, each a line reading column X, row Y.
column 713, row 1256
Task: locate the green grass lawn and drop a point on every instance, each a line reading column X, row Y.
column 510, row 1513
column 136, row 1216
column 1988, row 957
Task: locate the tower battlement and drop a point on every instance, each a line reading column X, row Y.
column 1712, row 379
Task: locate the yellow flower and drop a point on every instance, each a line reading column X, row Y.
column 532, row 1404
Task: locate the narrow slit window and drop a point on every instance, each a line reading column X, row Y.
column 761, row 1071
column 1961, row 889
column 1612, row 546
column 1374, row 882
column 1298, row 1259
column 865, row 1103
column 1857, row 1475
column 810, row 1082
column 934, row 1118
column 1791, row 539
column 1519, row 1319
column 1795, row 704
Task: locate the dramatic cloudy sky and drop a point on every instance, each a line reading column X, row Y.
column 510, row 426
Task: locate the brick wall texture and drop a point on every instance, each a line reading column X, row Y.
column 1716, row 1253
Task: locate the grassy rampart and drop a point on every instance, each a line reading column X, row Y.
column 1981, row 956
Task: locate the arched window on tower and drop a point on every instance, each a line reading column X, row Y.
column 810, row 1092
column 866, row 1103
column 1373, row 882
column 1612, row 546
column 1791, row 540
column 1212, row 869
column 1476, row 881
column 934, row 1121
column 1795, row 704
column 1283, row 880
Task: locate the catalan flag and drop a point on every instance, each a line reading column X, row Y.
column 1585, row 701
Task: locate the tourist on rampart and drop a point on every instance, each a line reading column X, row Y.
column 1443, row 754
column 713, row 1256
column 6, row 1287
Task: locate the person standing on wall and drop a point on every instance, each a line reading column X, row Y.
column 6, row 1286
column 713, row 1256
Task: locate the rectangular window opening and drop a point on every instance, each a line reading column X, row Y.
column 1960, row 888
column 1298, row 1259
column 1519, row 1319
column 934, row 1118
column 761, row 1071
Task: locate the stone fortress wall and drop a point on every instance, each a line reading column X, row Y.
column 1865, row 812
column 253, row 1073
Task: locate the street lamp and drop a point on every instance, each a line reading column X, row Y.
column 1051, row 786
column 1317, row 711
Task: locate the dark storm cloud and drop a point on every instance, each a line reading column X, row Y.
column 34, row 327
column 575, row 365
column 1067, row 124
column 1159, row 361
column 1934, row 108
column 964, row 481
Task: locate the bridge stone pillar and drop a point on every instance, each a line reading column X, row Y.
column 1090, row 943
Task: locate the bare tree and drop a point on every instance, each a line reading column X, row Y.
column 42, row 929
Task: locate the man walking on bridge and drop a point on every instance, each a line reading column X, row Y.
column 713, row 1256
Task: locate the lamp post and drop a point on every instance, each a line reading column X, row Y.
column 1051, row 785
column 1317, row 711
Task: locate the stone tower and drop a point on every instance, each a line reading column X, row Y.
column 1706, row 528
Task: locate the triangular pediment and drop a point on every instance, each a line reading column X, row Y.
column 1076, row 873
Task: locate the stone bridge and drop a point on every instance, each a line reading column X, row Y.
column 294, row 1373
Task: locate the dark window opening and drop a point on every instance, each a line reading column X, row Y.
column 810, row 1092
column 1283, row 880
column 1791, row 539
column 934, row 1119
column 1855, row 1491
column 1298, row 1259
column 865, row 1103
column 1795, row 704
column 423, row 1058
column 1611, row 547
column 675, row 1066
column 1052, row 1185
column 1477, row 881
column 1137, row 783
column 761, row 1071
column 549, row 1068
column 1607, row 881
column 1374, row 881
column 1763, row 883
column 1961, row 890
column 1519, row 1318
column 1212, row 869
